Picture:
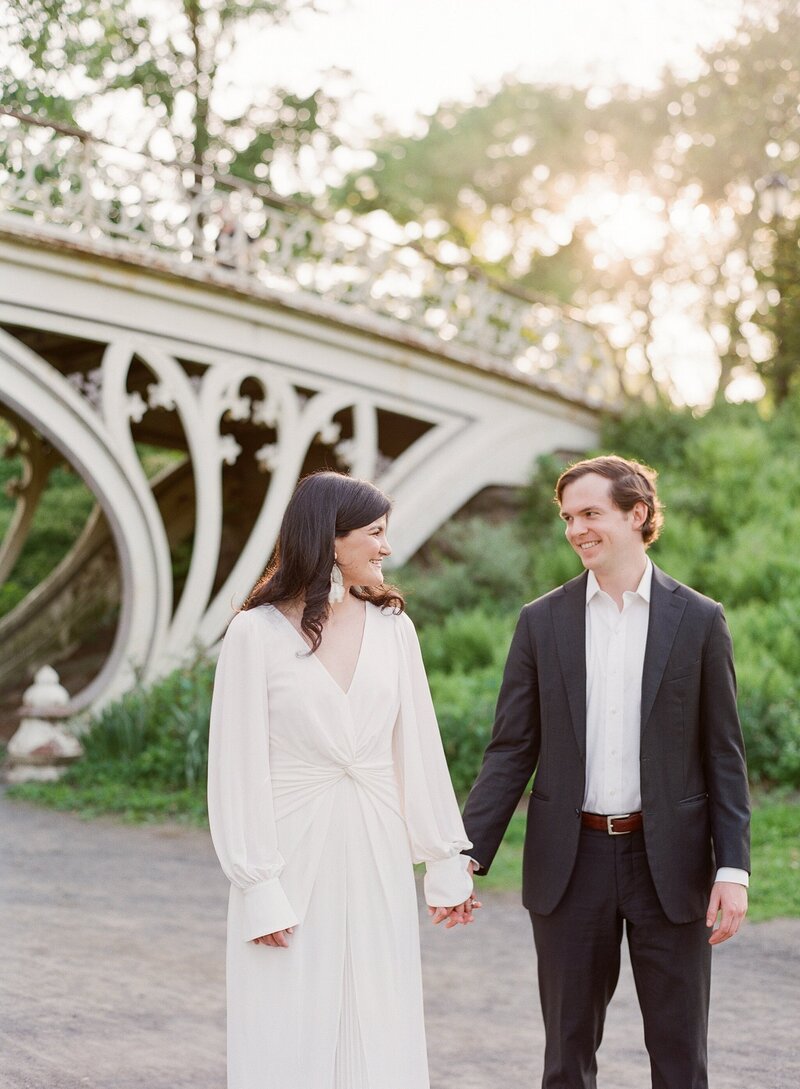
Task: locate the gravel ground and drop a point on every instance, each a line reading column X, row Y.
column 113, row 975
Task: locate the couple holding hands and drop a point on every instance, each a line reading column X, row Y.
column 327, row 781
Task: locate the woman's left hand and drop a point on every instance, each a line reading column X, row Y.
column 461, row 913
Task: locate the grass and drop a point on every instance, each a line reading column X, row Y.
column 774, row 892
column 134, row 804
column 775, row 885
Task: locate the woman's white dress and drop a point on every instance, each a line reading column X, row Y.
column 319, row 802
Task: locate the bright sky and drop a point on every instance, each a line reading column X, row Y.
column 409, row 55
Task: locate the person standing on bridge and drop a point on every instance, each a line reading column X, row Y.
column 619, row 694
column 327, row 780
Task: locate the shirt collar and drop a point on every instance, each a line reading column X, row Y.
column 643, row 589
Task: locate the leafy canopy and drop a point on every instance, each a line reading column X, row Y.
column 167, row 68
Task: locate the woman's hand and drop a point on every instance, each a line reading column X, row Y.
column 461, row 913
column 280, row 938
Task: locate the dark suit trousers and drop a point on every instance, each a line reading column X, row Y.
column 578, row 951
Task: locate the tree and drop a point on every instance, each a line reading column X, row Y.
column 633, row 205
column 171, row 64
column 781, row 370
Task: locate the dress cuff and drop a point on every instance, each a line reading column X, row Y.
column 730, row 873
column 447, row 881
column 266, row 910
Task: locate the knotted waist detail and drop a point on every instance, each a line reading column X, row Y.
column 296, row 783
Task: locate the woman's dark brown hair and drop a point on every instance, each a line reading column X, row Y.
column 324, row 506
column 631, row 483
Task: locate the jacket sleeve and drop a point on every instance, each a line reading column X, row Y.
column 430, row 809
column 723, row 751
column 240, row 808
column 513, row 752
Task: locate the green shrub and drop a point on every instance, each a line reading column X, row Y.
column 467, row 564
column 156, row 736
column 768, row 669
column 467, row 641
column 465, row 706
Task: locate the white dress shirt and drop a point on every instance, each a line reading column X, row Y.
column 615, row 646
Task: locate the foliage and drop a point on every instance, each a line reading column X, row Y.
column 156, row 736
column 470, row 563
column 171, row 65
column 61, row 516
column 467, row 641
column 465, row 705
column 64, row 507
column 631, row 205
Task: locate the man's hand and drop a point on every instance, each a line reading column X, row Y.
column 729, row 901
column 280, row 938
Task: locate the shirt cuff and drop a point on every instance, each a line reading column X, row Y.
column 730, row 873
column 266, row 910
column 447, row 881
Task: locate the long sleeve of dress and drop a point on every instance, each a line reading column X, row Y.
column 435, row 828
column 240, row 807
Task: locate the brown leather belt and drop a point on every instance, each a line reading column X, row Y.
column 615, row 826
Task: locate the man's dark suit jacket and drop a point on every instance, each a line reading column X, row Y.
column 695, row 800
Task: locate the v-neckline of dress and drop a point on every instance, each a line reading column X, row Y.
column 344, row 691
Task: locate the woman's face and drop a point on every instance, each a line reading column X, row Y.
column 361, row 552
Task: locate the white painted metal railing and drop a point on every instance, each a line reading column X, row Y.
column 59, row 184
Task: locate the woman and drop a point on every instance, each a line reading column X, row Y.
column 327, row 779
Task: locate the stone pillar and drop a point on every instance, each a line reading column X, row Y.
column 41, row 749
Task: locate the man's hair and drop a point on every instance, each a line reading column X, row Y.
column 631, row 483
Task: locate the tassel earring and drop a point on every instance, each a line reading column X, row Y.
column 336, row 592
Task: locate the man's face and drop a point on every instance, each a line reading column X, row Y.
column 606, row 538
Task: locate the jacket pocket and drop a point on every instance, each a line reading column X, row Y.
column 695, row 799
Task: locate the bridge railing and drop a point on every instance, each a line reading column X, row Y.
column 59, row 183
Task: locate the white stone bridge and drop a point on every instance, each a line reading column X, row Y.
column 250, row 341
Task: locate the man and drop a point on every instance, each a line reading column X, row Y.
column 619, row 692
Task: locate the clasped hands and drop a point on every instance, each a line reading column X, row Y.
column 460, row 913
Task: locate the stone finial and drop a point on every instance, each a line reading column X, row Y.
column 41, row 749
column 47, row 692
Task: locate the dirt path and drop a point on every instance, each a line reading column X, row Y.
column 113, row 975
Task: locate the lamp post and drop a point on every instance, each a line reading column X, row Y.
column 775, row 197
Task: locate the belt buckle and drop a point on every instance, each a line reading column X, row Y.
column 617, row 817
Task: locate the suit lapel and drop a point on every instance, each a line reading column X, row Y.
column 569, row 624
column 666, row 611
